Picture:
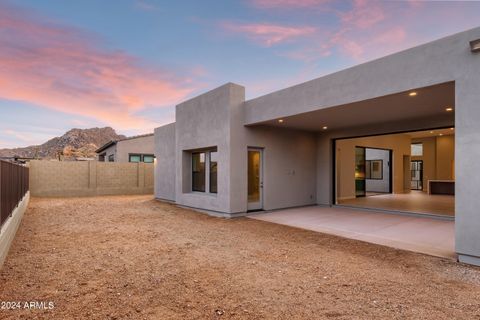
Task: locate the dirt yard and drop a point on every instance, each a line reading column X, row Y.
column 136, row 258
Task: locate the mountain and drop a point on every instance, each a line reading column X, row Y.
column 73, row 144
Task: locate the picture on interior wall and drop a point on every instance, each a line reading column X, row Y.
column 374, row 169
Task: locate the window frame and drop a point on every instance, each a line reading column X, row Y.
column 142, row 157
column 148, row 155
column 207, row 172
column 130, row 155
column 205, row 182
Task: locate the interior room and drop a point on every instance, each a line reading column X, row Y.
column 403, row 172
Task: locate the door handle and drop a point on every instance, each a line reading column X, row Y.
column 261, row 184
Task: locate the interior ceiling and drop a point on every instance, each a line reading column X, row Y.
column 432, row 133
column 428, row 102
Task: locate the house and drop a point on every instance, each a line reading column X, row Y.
column 403, row 128
column 132, row 149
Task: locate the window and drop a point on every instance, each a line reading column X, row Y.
column 417, row 149
column 204, row 171
column 374, row 169
column 198, row 171
column 147, row 158
column 101, row 157
column 134, row 158
column 111, row 158
column 213, row 171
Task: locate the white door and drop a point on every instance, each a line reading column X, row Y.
column 255, row 179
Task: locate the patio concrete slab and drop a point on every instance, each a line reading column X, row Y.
column 419, row 234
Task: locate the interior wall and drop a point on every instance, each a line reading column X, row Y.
column 438, row 158
column 445, row 158
column 379, row 185
column 399, row 143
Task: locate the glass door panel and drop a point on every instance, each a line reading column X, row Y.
column 360, row 172
column 255, row 183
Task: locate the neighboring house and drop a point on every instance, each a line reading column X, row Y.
column 132, row 149
column 230, row 155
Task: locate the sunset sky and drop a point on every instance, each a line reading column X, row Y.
column 126, row 63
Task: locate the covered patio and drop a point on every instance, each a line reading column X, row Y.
column 427, row 235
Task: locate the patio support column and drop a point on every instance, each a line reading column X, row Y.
column 467, row 165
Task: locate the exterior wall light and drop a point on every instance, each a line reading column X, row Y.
column 280, row 120
column 475, row 46
column 448, row 109
column 324, row 127
column 412, row 94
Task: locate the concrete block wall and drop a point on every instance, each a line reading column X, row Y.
column 89, row 178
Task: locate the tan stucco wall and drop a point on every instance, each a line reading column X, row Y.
column 142, row 145
column 399, row 143
column 89, row 178
column 112, row 150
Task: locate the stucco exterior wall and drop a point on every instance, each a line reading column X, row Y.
column 89, row 178
column 165, row 154
column 204, row 122
column 112, row 150
column 289, row 162
column 140, row 145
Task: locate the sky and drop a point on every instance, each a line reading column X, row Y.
column 127, row 63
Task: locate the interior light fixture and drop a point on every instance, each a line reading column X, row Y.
column 324, row 127
column 431, row 131
column 412, row 94
column 448, row 109
column 451, row 128
column 280, row 120
column 441, row 134
column 475, row 45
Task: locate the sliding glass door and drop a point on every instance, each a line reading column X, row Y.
column 360, row 173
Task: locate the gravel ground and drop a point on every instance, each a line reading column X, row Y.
column 131, row 257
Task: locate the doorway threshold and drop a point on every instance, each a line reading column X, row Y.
column 400, row 212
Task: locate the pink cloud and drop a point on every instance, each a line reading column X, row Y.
column 364, row 14
column 64, row 69
column 269, row 34
column 286, row 4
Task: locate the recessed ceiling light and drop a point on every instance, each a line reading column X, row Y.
column 412, row 94
column 441, row 134
column 280, row 120
column 451, row 128
column 448, row 109
column 324, row 127
column 431, row 131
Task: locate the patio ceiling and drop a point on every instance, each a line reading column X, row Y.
column 428, row 102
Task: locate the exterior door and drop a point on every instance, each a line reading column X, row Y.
column 255, row 179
